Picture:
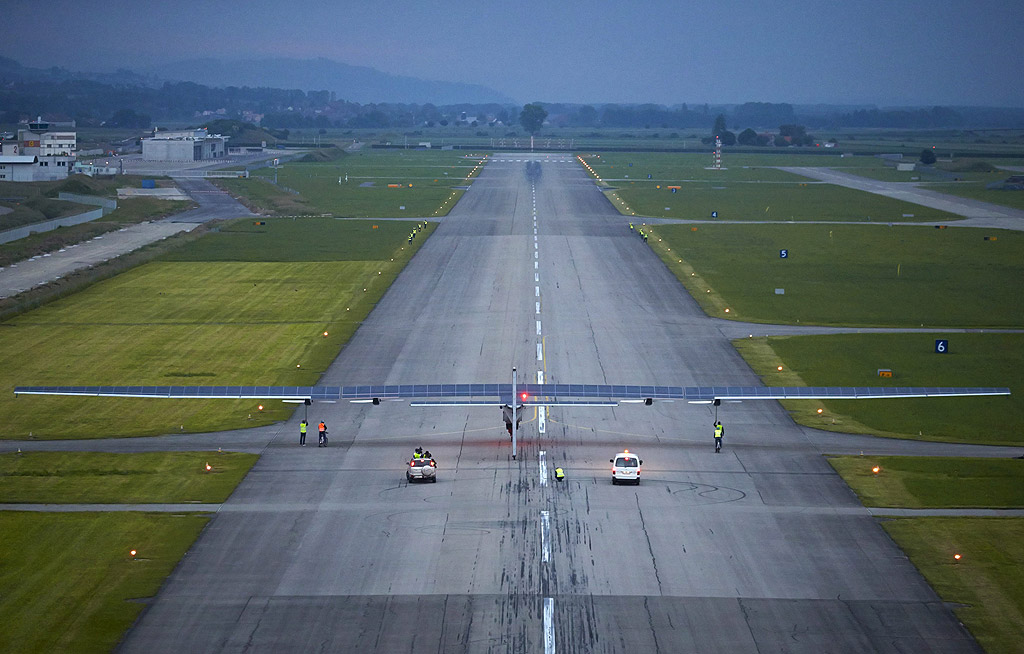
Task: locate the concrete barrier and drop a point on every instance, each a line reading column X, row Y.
column 48, row 226
column 108, row 204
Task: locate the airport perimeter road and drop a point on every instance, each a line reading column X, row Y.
column 25, row 274
column 761, row 548
column 978, row 213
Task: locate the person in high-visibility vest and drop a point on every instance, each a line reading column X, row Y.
column 322, row 428
column 302, row 433
column 719, row 432
column 559, row 474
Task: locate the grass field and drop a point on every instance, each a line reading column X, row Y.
column 105, row 478
column 249, row 306
column 67, row 579
column 379, row 184
column 748, row 189
column 934, row 482
column 853, row 360
column 850, row 275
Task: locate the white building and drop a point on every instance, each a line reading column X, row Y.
column 38, row 155
column 184, row 145
column 19, row 168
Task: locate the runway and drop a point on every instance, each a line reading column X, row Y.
column 761, row 548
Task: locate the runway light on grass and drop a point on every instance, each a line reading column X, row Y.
column 208, row 467
column 956, row 557
column 727, row 311
column 819, row 411
column 260, row 407
column 132, row 553
column 876, row 470
column 325, row 334
column 779, row 368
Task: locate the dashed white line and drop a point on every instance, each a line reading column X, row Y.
column 543, row 469
column 549, row 626
column 535, row 264
column 536, row 291
column 541, row 418
column 538, row 307
column 540, row 352
column 540, row 376
column 538, row 330
column 545, row 536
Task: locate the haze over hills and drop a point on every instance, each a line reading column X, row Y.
column 353, row 83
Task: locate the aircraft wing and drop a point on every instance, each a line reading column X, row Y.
column 527, row 394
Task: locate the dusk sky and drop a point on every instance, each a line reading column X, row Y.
column 898, row 52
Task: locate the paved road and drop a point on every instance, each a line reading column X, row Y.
column 759, row 549
column 214, row 204
column 39, row 270
column 978, row 213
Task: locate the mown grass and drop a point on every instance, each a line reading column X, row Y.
column 67, row 579
column 988, row 580
column 220, row 322
column 747, row 189
column 108, row 478
column 854, row 360
column 934, row 482
column 850, row 275
column 423, row 180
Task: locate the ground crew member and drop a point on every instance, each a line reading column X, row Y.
column 630, row 226
column 302, row 433
column 322, row 428
column 559, row 474
column 719, row 432
column 417, row 453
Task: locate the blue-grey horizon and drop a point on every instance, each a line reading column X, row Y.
column 907, row 53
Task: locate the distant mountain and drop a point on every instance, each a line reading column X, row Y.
column 11, row 70
column 353, row 83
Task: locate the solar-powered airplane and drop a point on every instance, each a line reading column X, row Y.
column 518, row 395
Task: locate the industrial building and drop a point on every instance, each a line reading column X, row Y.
column 184, row 145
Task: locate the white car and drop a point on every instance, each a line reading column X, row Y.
column 422, row 470
column 626, row 467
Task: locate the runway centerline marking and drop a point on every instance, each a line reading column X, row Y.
column 543, row 468
column 545, row 535
column 549, row 627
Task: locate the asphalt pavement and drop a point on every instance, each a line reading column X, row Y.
column 761, row 548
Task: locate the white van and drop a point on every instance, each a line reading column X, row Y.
column 626, row 467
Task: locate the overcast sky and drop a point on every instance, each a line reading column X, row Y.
column 896, row 52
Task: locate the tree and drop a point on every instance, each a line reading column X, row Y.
column 927, row 156
column 719, row 127
column 128, row 118
column 747, row 137
column 532, row 117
